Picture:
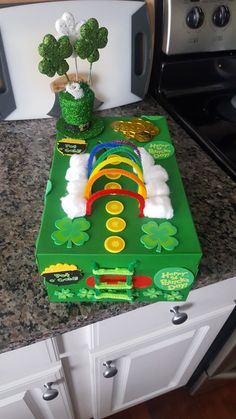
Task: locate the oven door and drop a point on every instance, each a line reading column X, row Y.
column 220, row 362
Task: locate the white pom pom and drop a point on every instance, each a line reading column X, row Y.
column 156, row 187
column 157, row 172
column 158, row 207
column 73, row 206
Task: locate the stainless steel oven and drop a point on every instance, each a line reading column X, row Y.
column 194, row 71
column 219, row 364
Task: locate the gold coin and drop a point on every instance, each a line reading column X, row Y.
column 114, row 244
column 114, row 207
column 112, row 185
column 115, row 224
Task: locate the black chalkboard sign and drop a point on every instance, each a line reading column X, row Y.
column 64, row 277
column 69, row 146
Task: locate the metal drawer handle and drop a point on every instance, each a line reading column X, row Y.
column 110, row 370
column 50, row 393
column 178, row 317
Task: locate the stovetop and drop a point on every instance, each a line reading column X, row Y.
column 194, row 71
column 211, row 118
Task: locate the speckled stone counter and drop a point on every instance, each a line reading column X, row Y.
column 26, row 149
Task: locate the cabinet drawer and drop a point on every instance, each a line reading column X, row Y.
column 41, row 395
column 32, row 359
column 156, row 317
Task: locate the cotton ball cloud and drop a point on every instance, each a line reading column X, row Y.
column 158, row 207
column 77, row 187
column 76, row 174
column 78, row 160
column 155, row 172
column 146, row 158
column 156, row 187
column 73, row 206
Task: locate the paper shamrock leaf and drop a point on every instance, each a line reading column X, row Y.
column 64, row 294
column 159, row 235
column 91, row 39
column 54, row 53
column 71, row 231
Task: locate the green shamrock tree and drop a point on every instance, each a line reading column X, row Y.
column 71, row 231
column 64, row 294
column 54, row 53
column 159, row 235
column 152, row 293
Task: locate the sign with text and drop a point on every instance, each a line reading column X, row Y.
column 173, row 279
column 64, row 277
column 160, row 150
column 69, row 146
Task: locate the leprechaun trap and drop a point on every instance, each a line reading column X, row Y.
column 116, row 224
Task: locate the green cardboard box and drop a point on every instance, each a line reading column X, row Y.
column 72, row 258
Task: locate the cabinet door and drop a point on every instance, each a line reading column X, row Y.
column 23, row 399
column 160, row 363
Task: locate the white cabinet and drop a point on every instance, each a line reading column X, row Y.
column 152, row 356
column 21, row 393
column 160, row 360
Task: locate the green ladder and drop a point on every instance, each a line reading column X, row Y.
column 109, row 291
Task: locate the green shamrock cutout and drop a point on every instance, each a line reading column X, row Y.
column 54, row 53
column 84, row 293
column 159, row 235
column 92, row 38
column 71, row 231
column 152, row 293
column 173, row 296
column 64, row 294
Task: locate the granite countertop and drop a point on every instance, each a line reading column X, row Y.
column 26, row 151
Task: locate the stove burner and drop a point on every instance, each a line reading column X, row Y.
column 222, row 107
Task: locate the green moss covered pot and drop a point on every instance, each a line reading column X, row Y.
column 77, row 112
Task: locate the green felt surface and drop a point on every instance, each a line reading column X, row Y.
column 148, row 262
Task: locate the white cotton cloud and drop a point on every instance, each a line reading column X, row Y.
column 73, row 174
column 73, row 206
column 158, row 207
column 78, row 160
column 77, row 187
column 146, row 158
column 155, row 172
column 156, row 187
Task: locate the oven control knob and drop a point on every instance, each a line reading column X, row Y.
column 195, row 18
column 221, row 16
